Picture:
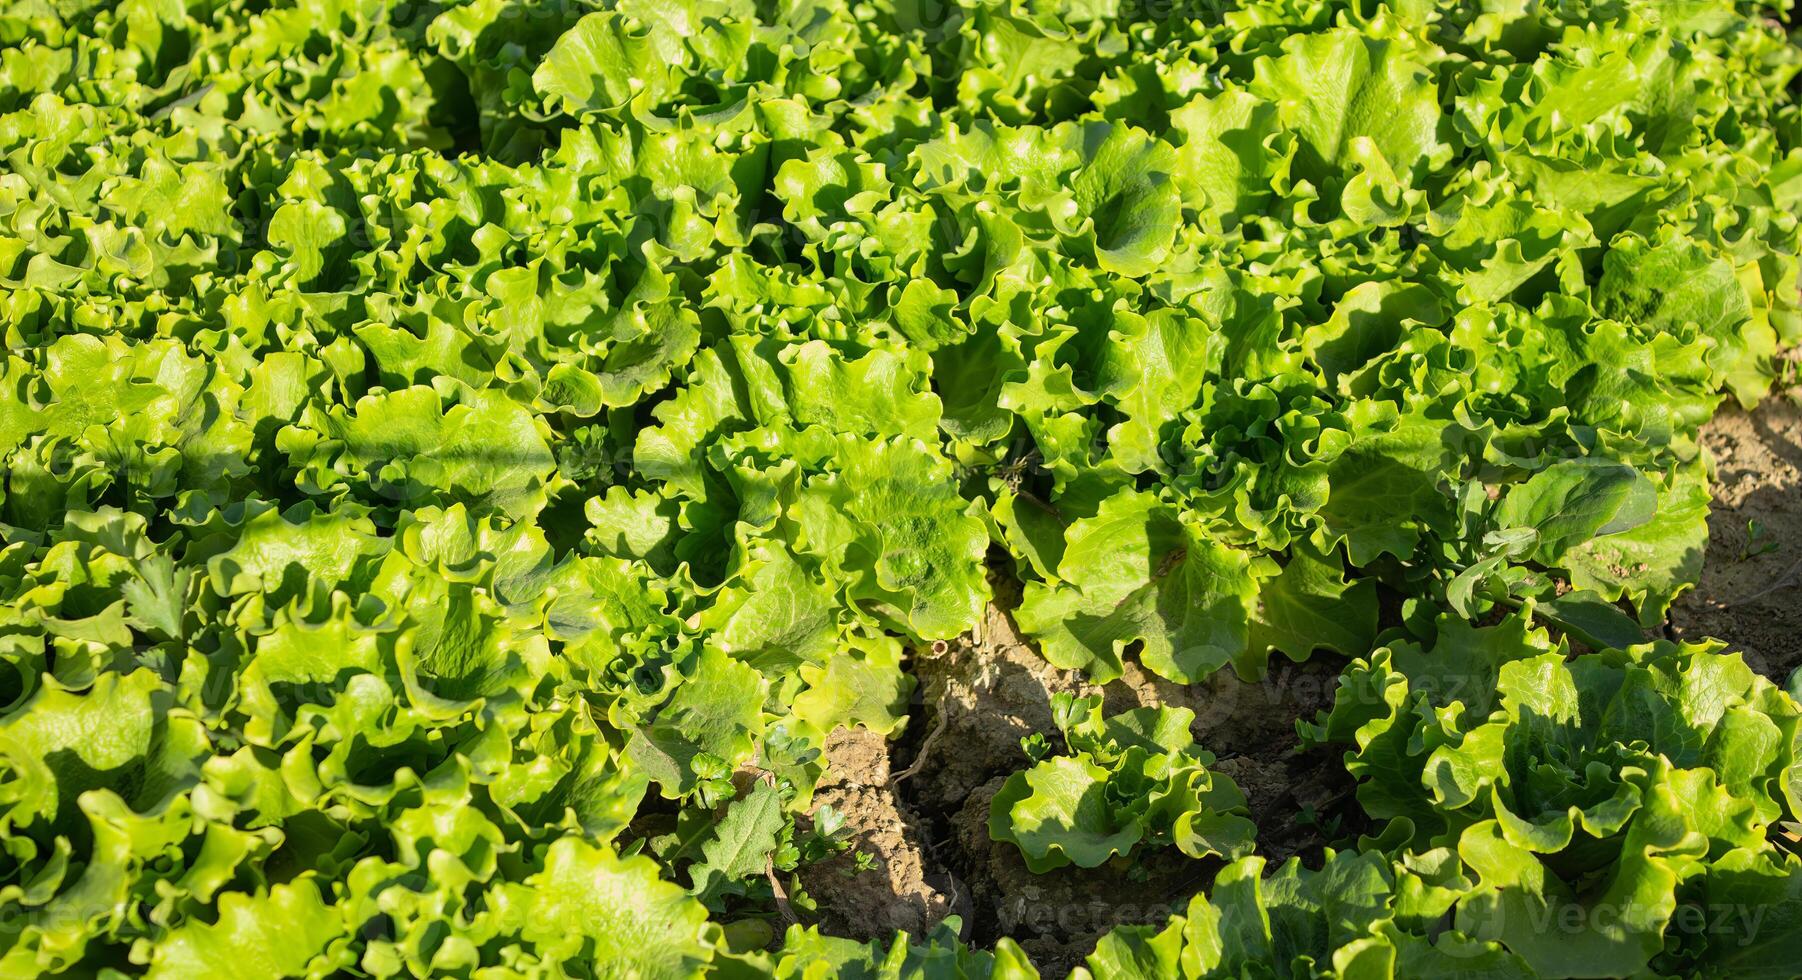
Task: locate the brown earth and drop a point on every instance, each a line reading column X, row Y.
column 895, row 894
column 1750, row 594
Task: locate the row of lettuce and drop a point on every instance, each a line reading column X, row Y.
column 463, row 460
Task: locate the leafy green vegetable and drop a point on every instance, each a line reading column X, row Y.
column 1130, row 778
column 465, row 462
column 1602, row 789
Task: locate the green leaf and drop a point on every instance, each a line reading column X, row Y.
column 1153, row 369
column 1672, row 284
column 779, row 614
column 861, row 685
column 1384, row 492
column 1594, row 620
column 890, row 520
column 157, row 598
column 1310, row 605
column 1370, row 320
column 1225, row 165
column 275, row 546
column 1576, row 500
column 880, row 393
column 663, row 338
column 715, row 712
column 1135, row 574
column 1126, row 191
column 742, row 841
column 1337, row 86
column 283, row 932
column 1057, row 814
column 602, row 63
column 484, row 449
column 613, row 915
column 1651, row 564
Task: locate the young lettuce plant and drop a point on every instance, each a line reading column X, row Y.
column 1124, row 780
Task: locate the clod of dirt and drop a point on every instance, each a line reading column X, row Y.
column 895, row 894
column 855, row 757
column 1750, row 593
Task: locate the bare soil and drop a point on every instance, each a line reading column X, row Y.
column 895, row 895
column 1750, row 593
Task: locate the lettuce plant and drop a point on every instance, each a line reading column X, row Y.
column 1601, row 788
column 464, row 460
column 1131, row 778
